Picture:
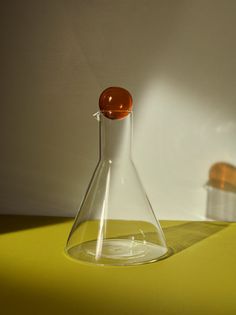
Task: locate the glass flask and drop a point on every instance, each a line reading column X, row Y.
column 115, row 224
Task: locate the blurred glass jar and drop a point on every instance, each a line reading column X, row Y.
column 221, row 192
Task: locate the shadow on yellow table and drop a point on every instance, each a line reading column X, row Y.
column 36, row 277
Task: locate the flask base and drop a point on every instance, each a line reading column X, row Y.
column 120, row 252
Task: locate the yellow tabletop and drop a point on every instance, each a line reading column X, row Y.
column 36, row 277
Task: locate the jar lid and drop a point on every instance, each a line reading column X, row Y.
column 222, row 176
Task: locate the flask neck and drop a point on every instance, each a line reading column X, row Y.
column 115, row 138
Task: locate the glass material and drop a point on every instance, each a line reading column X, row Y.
column 221, row 192
column 116, row 224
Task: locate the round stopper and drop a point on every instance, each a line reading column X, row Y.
column 223, row 176
column 115, row 103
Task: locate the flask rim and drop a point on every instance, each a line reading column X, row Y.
column 97, row 115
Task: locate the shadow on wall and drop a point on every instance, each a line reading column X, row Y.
column 175, row 57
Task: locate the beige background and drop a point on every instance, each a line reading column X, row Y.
column 176, row 57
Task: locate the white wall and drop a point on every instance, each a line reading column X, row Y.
column 176, row 57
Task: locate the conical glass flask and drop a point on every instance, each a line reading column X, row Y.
column 116, row 224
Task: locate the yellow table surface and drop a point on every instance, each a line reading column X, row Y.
column 36, row 277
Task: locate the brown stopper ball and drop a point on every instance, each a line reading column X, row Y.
column 223, row 176
column 115, row 103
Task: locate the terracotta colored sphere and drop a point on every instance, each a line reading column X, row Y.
column 115, row 103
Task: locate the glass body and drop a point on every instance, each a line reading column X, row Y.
column 116, row 224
